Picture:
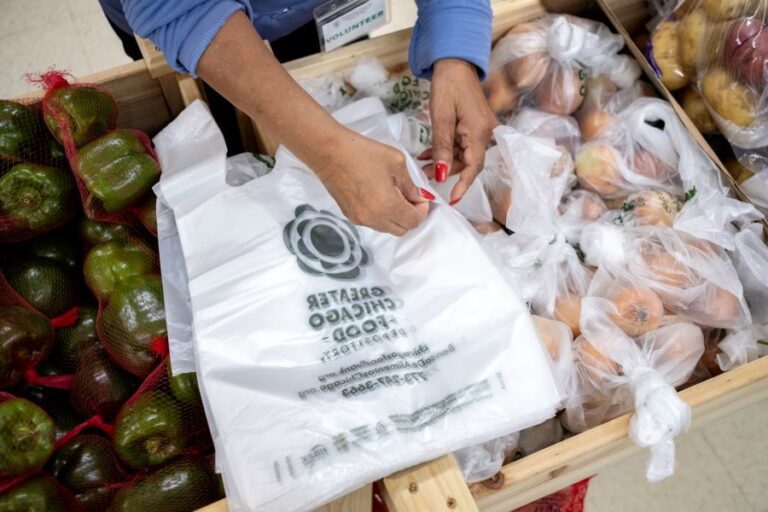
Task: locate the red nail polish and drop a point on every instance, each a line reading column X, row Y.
column 454, row 201
column 441, row 171
column 426, row 194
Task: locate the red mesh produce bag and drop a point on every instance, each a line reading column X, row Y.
column 39, row 492
column 124, row 276
column 37, row 192
column 163, row 420
column 27, row 437
column 88, row 466
column 184, row 484
column 114, row 168
column 26, row 338
column 570, row 499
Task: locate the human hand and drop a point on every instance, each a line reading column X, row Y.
column 462, row 124
column 370, row 182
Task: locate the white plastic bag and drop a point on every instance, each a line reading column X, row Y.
column 527, row 180
column 545, row 62
column 178, row 308
column 482, row 461
column 618, row 370
column 330, row 355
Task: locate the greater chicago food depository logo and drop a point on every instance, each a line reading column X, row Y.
column 325, row 244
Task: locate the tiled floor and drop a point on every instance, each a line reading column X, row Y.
column 721, row 468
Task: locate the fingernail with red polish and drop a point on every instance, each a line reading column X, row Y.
column 426, row 194
column 441, row 171
column 454, row 201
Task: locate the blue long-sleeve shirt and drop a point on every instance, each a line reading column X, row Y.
column 183, row 29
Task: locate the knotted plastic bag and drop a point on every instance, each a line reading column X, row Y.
column 546, row 61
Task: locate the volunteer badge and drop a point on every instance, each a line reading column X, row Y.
column 325, row 244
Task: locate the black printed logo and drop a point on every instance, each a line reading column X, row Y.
column 325, row 244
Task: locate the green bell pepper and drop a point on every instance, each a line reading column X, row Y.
column 117, row 169
column 39, row 494
column 88, row 112
column 98, row 386
column 180, row 486
column 85, row 462
column 110, row 263
column 25, row 339
column 26, row 437
column 132, row 318
column 149, row 431
column 72, row 342
column 93, row 232
column 19, row 125
column 148, row 214
column 36, row 197
column 96, row 499
column 184, row 388
column 53, row 401
column 58, row 246
column 45, row 284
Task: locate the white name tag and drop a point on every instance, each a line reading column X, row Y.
column 342, row 21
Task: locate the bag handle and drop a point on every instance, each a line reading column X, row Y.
column 193, row 157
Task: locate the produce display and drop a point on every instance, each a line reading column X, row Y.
column 91, row 416
column 718, row 52
column 641, row 266
column 643, row 272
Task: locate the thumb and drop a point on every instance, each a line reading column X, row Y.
column 443, row 136
column 412, row 193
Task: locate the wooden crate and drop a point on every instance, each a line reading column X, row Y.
column 140, row 97
column 438, row 485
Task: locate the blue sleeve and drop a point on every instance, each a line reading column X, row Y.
column 459, row 29
column 182, row 30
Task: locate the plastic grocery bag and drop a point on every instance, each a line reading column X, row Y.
column 330, row 355
column 241, row 169
column 544, row 62
column 630, row 355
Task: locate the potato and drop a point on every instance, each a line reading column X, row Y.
column 666, row 56
column 746, row 51
column 562, row 91
column 502, row 96
column 692, row 35
column 696, row 108
column 731, row 100
column 727, row 9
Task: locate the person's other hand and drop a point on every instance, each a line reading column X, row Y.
column 370, row 182
column 462, row 123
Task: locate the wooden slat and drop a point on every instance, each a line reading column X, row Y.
column 436, row 486
column 153, row 58
column 586, row 454
column 190, row 89
column 356, row 501
column 139, row 96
